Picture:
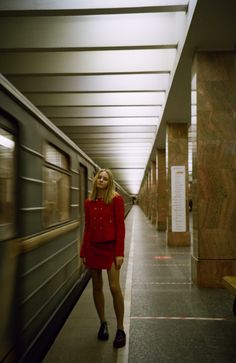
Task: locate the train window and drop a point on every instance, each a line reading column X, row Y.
column 7, row 184
column 56, row 157
column 56, row 187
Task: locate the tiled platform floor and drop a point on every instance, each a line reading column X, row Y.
column 167, row 318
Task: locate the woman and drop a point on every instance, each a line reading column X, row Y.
column 103, row 248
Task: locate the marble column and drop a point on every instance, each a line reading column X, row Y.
column 149, row 198
column 214, row 167
column 177, row 161
column 143, row 202
column 162, row 199
column 153, row 192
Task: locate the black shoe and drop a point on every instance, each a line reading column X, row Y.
column 120, row 339
column 103, row 331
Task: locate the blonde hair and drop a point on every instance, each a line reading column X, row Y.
column 110, row 192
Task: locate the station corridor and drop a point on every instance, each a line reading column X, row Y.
column 147, row 90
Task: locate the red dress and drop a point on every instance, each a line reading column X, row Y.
column 104, row 232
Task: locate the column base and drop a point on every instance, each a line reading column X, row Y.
column 178, row 238
column 209, row 273
column 153, row 220
column 161, row 226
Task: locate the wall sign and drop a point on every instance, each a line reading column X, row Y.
column 178, row 203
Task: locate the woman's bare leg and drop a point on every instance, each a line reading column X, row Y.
column 118, row 300
column 98, row 295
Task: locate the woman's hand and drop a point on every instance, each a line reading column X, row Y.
column 118, row 262
column 83, row 261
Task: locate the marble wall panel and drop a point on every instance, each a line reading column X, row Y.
column 214, row 161
column 149, row 194
column 153, row 193
column 162, row 199
column 208, row 273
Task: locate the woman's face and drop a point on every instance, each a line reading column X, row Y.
column 102, row 180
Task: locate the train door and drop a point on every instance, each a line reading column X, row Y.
column 8, row 231
column 83, row 194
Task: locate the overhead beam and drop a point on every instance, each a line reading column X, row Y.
column 87, row 62
column 143, row 111
column 135, row 121
column 100, row 83
column 98, row 99
column 107, row 129
column 88, row 7
column 110, row 136
column 84, row 142
column 143, row 31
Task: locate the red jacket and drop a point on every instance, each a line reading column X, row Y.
column 104, row 222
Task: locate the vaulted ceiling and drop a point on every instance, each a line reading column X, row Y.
column 108, row 73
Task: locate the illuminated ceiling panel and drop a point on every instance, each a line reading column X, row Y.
column 99, row 70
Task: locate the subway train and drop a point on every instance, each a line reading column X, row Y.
column 44, row 180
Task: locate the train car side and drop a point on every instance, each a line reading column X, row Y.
column 40, row 251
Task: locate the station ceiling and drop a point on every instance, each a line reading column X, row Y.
column 110, row 74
